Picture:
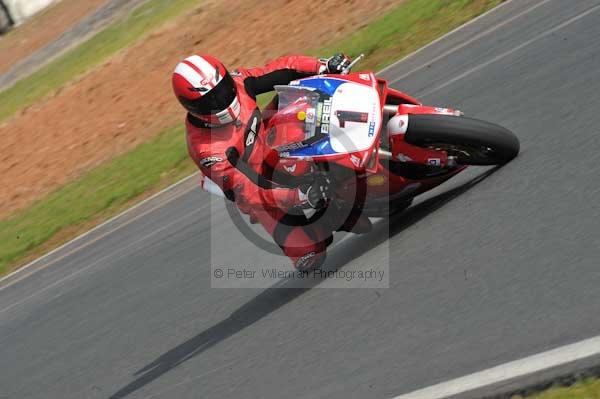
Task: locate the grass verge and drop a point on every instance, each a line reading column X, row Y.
column 101, row 192
column 104, row 191
column 89, row 54
column 407, row 28
column 586, row 389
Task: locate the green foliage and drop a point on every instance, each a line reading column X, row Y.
column 407, row 28
column 586, row 389
column 89, row 54
column 107, row 187
column 105, row 190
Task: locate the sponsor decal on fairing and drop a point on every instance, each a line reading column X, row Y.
column 290, row 168
column 326, row 116
column 372, row 126
column 290, row 147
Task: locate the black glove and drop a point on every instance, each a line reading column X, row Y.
column 317, row 194
column 337, row 63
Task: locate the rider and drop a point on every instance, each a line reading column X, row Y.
column 222, row 113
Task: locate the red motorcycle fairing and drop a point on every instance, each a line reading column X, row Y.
column 383, row 186
column 353, row 131
column 370, row 176
column 395, row 97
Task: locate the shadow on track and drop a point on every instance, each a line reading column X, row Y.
column 383, row 230
column 272, row 299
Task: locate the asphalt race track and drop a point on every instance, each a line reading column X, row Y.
column 495, row 266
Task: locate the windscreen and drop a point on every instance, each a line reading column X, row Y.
column 300, row 104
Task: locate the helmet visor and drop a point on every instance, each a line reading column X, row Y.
column 216, row 100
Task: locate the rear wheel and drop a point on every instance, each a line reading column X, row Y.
column 470, row 141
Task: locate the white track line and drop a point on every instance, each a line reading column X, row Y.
column 519, row 368
column 529, row 365
column 24, row 268
column 514, row 50
column 507, row 371
column 470, row 41
column 87, row 244
column 439, row 39
column 99, row 260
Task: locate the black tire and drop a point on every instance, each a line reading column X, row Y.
column 472, row 141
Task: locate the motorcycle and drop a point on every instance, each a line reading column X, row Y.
column 377, row 146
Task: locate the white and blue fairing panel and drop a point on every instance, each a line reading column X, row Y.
column 342, row 137
column 324, row 85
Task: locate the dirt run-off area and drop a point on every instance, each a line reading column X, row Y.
column 128, row 99
column 44, row 28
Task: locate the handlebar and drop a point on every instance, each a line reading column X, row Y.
column 347, row 70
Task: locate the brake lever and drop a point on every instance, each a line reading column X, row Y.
column 347, row 70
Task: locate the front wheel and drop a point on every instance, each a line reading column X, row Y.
column 471, row 141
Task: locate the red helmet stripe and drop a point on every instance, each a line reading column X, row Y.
column 191, row 76
column 209, row 66
column 204, row 81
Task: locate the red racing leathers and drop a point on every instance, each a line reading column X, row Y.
column 207, row 146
